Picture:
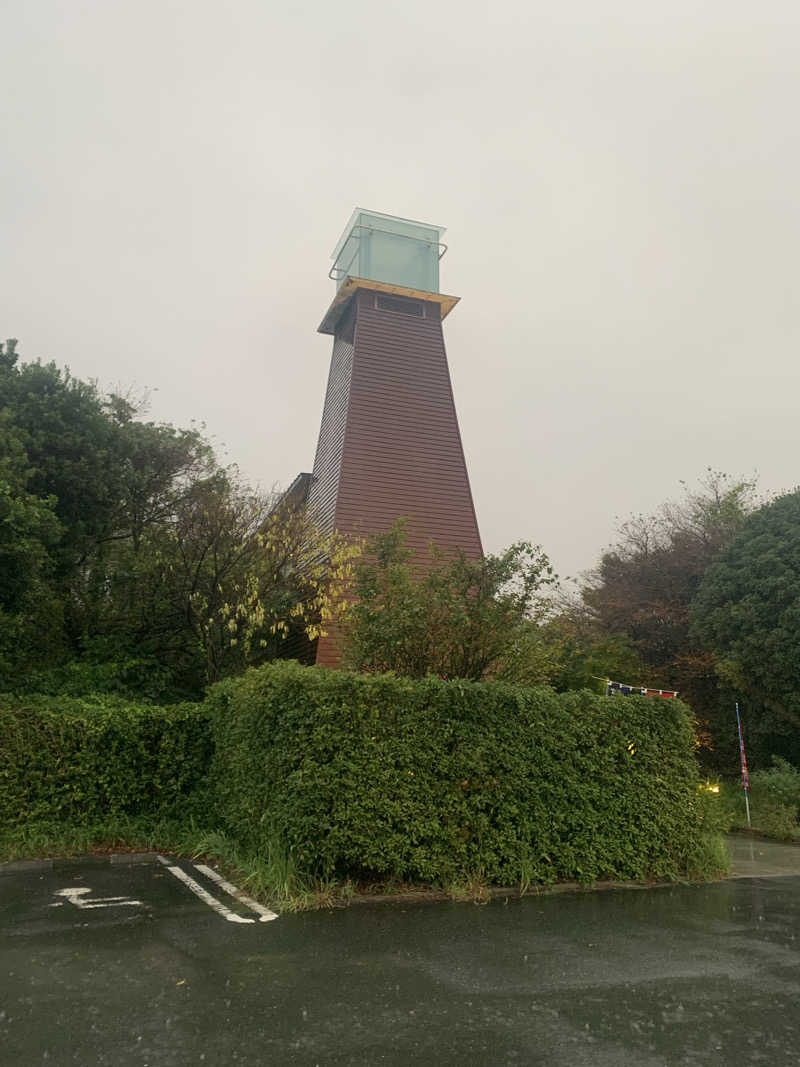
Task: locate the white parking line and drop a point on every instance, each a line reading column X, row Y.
column 265, row 914
column 206, row 897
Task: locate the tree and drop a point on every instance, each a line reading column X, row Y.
column 130, row 559
column 235, row 575
column 457, row 618
column 585, row 655
column 644, row 585
column 71, row 449
column 158, row 465
column 747, row 611
column 157, row 470
column 29, row 531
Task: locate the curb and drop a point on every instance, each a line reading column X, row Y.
column 15, row 866
column 430, row 896
column 756, row 835
column 128, row 859
column 114, row 859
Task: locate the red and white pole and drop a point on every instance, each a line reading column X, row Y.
column 745, row 775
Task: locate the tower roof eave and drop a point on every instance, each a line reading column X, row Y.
column 351, row 284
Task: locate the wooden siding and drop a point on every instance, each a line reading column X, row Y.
column 402, row 451
column 328, row 460
column 391, row 446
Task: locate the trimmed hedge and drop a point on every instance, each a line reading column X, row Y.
column 433, row 781
column 67, row 760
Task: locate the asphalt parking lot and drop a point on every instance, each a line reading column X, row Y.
column 130, row 964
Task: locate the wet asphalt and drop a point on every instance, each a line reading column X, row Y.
column 695, row 974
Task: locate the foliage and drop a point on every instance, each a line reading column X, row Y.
column 774, row 801
column 780, row 782
column 29, row 532
column 228, row 580
column 270, row 878
column 459, row 618
column 67, row 760
column 773, row 819
column 644, row 585
column 321, row 777
column 106, row 833
column 109, row 671
column 530, row 656
column 768, row 816
column 584, row 655
column 70, row 448
column 435, row 781
column 130, row 560
column 643, row 588
column 748, row 612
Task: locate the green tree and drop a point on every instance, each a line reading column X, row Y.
column 585, row 656
column 130, row 561
column 226, row 582
column 747, row 611
column 158, row 470
column 456, row 618
column 158, row 466
column 644, row 586
column 29, row 531
column 71, row 448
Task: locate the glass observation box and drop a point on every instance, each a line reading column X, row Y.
column 385, row 248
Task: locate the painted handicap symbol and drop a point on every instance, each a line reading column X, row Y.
column 77, row 896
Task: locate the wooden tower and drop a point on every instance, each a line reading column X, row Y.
column 389, row 444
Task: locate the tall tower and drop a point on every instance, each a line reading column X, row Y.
column 389, row 444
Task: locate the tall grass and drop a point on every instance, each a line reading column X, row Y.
column 269, row 877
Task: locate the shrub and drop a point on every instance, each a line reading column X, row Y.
column 774, row 801
column 777, row 820
column 780, row 784
column 67, row 760
column 457, row 618
column 440, row 781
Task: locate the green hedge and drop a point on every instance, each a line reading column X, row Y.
column 442, row 781
column 67, row 760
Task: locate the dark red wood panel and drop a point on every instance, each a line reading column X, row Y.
column 390, row 444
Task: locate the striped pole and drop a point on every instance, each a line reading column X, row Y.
column 743, row 757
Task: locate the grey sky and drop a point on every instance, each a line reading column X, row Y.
column 619, row 182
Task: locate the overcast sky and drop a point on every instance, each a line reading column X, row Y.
column 619, row 181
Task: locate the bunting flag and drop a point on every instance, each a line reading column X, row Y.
column 618, row 689
column 621, row 689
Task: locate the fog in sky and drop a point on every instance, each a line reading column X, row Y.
column 619, row 182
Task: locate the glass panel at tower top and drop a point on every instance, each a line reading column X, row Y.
column 386, row 248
